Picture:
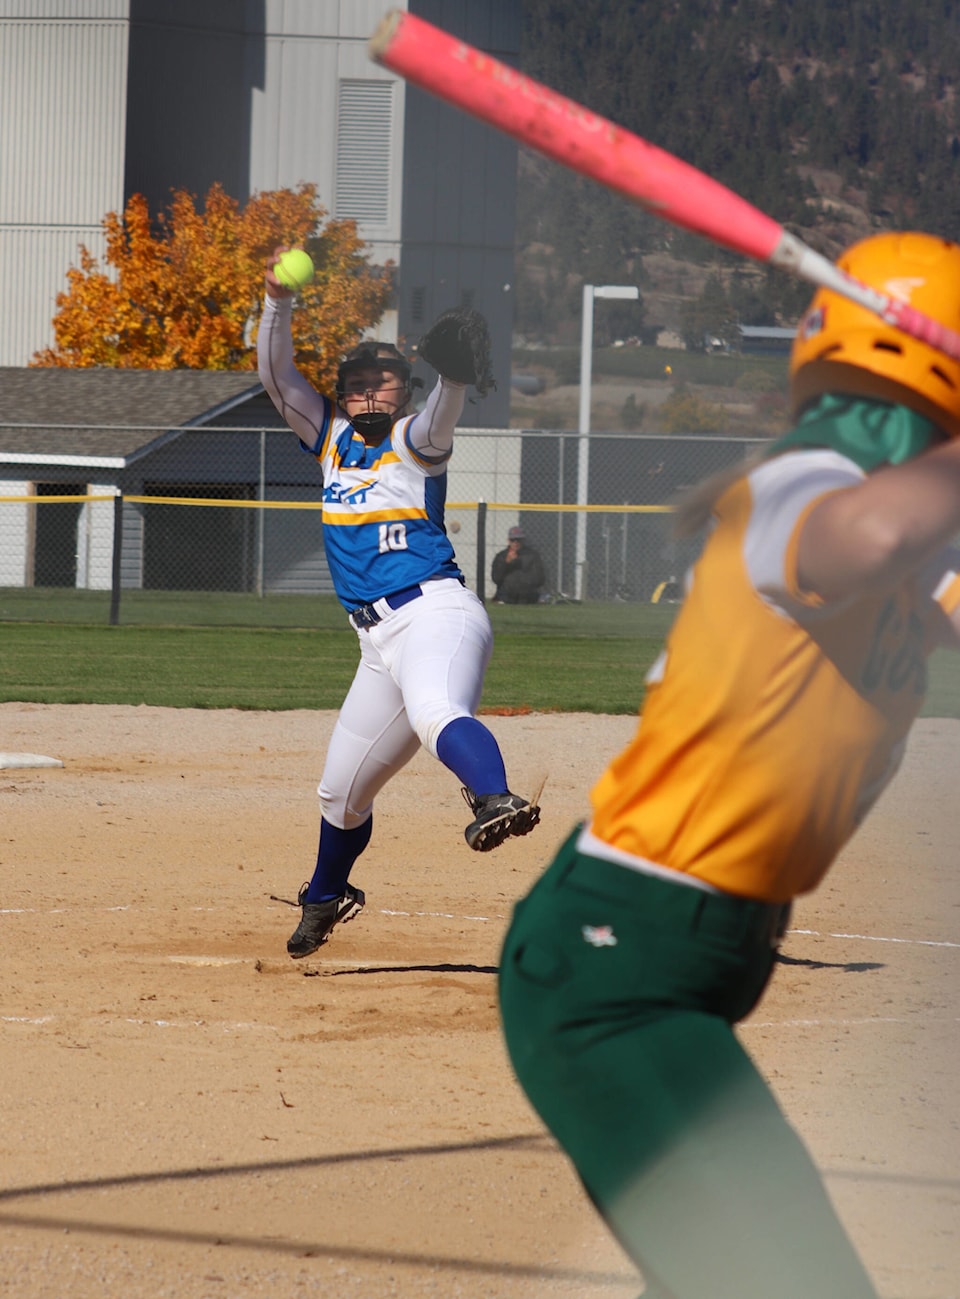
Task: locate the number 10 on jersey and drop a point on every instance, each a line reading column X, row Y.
column 393, row 536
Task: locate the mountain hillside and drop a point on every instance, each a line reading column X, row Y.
column 837, row 119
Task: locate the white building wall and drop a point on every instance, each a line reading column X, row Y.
column 312, row 45
column 33, row 269
column 63, row 71
column 485, row 466
column 63, row 103
column 95, row 540
column 14, row 533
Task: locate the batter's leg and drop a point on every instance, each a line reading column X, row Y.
column 614, row 991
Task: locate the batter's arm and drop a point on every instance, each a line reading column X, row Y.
column 950, row 638
column 869, row 538
column 945, row 588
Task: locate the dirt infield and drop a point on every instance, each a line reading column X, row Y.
column 185, row 1112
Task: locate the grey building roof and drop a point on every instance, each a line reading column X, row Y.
column 107, row 417
column 778, row 332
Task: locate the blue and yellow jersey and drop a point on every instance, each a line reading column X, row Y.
column 383, row 510
column 772, row 721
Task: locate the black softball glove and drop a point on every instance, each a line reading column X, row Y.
column 457, row 345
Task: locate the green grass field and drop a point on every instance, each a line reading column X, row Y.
column 561, row 658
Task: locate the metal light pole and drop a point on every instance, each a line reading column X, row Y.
column 590, row 291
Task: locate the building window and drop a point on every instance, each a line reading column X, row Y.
column 418, row 299
column 364, row 132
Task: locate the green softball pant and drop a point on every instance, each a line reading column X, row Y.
column 618, row 992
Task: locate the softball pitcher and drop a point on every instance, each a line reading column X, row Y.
column 773, row 720
column 425, row 638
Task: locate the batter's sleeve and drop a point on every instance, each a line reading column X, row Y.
column 784, row 491
column 942, row 579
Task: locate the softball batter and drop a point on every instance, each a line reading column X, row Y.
column 425, row 638
column 775, row 717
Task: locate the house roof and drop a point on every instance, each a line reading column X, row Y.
column 768, row 331
column 108, row 417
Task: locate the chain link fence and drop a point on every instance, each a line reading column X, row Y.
column 225, row 524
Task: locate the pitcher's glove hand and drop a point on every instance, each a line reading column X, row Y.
column 457, row 345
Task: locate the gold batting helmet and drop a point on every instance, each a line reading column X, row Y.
column 843, row 348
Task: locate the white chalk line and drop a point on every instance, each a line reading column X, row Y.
column 243, row 1026
column 439, row 915
column 65, row 911
column 208, row 960
column 249, row 1026
column 450, row 915
column 876, row 938
column 922, row 1020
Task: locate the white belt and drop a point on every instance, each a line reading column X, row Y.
column 589, row 843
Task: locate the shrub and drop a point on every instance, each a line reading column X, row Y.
column 631, row 414
column 685, row 412
column 758, row 381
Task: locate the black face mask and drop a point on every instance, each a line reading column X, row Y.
column 373, row 426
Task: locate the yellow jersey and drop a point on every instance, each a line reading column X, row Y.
column 772, row 721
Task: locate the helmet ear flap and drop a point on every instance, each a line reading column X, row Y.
column 843, row 348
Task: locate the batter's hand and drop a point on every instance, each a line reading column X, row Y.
column 274, row 288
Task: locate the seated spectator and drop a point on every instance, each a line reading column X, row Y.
column 518, row 571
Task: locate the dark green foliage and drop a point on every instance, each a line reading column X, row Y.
column 632, row 415
column 709, row 317
column 761, row 94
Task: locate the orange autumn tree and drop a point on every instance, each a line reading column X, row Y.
column 185, row 291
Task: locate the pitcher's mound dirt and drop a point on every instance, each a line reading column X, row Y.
column 186, row 1112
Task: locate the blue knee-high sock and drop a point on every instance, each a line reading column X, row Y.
column 337, row 852
column 473, row 755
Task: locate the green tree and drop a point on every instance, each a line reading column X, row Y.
column 632, row 415
column 709, row 316
column 685, row 412
column 774, row 100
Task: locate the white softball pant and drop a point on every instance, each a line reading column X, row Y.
column 420, row 668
